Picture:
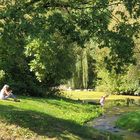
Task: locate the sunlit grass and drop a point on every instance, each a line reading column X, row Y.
column 38, row 118
column 51, row 118
column 85, row 95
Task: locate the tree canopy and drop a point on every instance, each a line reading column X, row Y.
column 39, row 38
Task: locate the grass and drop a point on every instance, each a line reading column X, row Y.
column 52, row 118
column 130, row 121
column 38, row 118
column 88, row 95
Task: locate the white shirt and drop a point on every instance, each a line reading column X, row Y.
column 102, row 100
column 2, row 94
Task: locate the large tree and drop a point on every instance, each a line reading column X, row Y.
column 38, row 37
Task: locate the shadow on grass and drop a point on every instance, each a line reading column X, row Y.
column 68, row 104
column 46, row 125
column 51, row 98
column 66, row 100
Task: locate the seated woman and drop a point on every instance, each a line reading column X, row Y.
column 6, row 93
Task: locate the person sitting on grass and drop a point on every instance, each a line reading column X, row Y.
column 6, row 92
column 102, row 100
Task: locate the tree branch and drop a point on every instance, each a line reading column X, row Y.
column 68, row 5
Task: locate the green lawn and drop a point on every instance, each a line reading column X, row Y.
column 130, row 121
column 51, row 118
column 110, row 101
column 38, row 118
column 85, row 95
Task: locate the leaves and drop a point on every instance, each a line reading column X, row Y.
column 44, row 34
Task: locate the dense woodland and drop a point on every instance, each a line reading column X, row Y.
column 81, row 43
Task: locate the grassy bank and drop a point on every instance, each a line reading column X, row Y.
column 38, row 118
column 130, row 121
column 52, row 118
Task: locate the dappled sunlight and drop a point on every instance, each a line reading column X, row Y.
column 54, row 118
column 50, row 118
column 40, row 124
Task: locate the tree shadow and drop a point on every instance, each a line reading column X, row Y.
column 46, row 125
column 62, row 98
column 67, row 103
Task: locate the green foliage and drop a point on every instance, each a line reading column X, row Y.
column 133, row 6
column 133, row 119
column 46, row 60
column 38, row 40
column 80, row 75
column 2, row 76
